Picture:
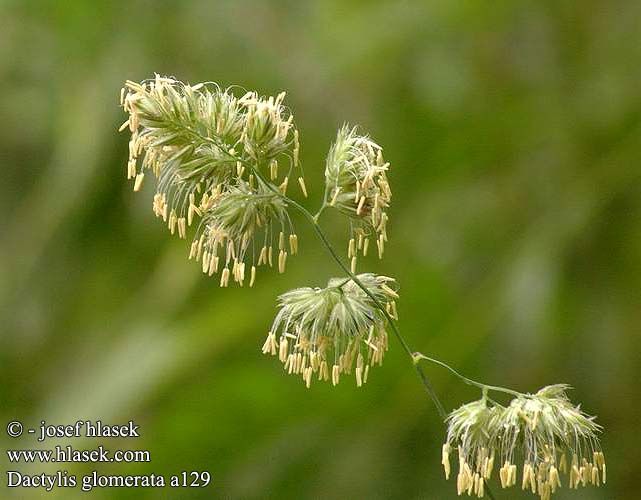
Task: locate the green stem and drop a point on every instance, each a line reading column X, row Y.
column 343, row 283
column 320, row 211
column 322, row 207
column 417, row 356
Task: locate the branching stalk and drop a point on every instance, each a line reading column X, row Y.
column 328, row 246
column 415, row 356
column 187, row 135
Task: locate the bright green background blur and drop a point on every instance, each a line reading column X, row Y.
column 513, row 132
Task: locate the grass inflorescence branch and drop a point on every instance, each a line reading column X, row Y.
column 222, row 166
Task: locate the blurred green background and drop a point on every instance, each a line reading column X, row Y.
column 513, row 131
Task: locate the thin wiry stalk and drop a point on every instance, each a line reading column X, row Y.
column 485, row 387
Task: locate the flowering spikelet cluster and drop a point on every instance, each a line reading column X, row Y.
column 357, row 186
column 203, row 145
column 324, row 331
column 545, row 430
column 230, row 226
column 269, row 129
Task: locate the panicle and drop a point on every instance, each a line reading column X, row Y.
column 544, row 430
column 335, row 329
column 356, row 184
column 206, row 147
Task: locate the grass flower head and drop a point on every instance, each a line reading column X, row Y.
column 356, row 184
column 239, row 228
column 205, row 148
column 544, row 431
column 324, row 331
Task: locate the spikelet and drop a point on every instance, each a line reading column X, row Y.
column 205, row 147
column 235, row 221
column 337, row 325
column 541, row 428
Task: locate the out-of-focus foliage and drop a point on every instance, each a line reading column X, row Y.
column 514, row 131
